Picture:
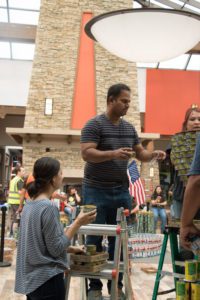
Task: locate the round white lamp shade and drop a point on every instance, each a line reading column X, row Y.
column 146, row 35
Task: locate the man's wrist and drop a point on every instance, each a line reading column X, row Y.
column 186, row 224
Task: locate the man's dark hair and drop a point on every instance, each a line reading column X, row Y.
column 115, row 90
column 17, row 169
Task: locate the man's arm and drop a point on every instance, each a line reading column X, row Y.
column 21, row 201
column 91, row 154
column 191, row 205
column 145, row 155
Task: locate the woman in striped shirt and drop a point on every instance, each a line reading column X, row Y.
column 43, row 244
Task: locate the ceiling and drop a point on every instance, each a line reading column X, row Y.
column 18, row 25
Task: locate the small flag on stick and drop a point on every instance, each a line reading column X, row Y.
column 136, row 188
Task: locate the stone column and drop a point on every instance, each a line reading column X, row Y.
column 149, row 171
column 54, row 75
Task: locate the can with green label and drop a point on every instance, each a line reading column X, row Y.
column 191, row 270
column 182, row 290
column 195, row 288
column 198, row 270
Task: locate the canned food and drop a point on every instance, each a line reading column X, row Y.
column 88, row 207
column 182, row 290
column 191, row 270
column 195, row 287
column 198, row 270
column 91, row 249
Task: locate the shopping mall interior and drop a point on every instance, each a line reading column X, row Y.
column 54, row 78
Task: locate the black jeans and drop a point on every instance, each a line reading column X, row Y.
column 53, row 289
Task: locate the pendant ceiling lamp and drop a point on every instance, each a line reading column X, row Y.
column 147, row 34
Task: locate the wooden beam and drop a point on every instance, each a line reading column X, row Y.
column 11, row 110
column 17, row 32
column 195, row 49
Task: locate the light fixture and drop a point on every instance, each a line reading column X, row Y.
column 146, row 34
column 48, row 108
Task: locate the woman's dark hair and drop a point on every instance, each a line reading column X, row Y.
column 187, row 115
column 155, row 194
column 44, row 170
column 71, row 187
column 115, row 90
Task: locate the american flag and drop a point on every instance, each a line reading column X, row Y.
column 136, row 188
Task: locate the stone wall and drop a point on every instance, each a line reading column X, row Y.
column 54, row 74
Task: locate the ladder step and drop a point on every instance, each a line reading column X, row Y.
column 176, row 275
column 98, row 230
column 104, row 274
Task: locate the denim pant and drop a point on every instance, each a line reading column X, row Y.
column 53, row 289
column 176, row 209
column 68, row 212
column 159, row 212
column 107, row 200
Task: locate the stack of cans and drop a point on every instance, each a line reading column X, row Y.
column 189, row 288
column 144, row 245
column 145, row 223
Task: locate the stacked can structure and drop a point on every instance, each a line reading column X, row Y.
column 189, row 288
column 144, row 245
column 143, row 224
column 183, row 147
column 182, row 290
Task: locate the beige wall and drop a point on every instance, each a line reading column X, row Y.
column 54, row 73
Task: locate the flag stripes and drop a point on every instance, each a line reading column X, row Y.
column 136, row 188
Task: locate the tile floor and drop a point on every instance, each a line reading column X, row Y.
column 142, row 283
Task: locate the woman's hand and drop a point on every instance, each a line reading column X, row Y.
column 76, row 249
column 82, row 219
column 86, row 218
column 158, row 155
column 154, row 202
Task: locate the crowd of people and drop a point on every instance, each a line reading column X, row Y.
column 107, row 145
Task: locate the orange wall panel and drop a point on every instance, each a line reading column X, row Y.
column 168, row 94
column 84, row 103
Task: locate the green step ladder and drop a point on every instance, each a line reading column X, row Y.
column 171, row 234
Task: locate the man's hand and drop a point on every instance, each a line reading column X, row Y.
column 123, row 153
column 158, row 154
column 185, row 233
column 19, row 210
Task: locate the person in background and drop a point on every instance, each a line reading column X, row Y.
column 107, row 144
column 24, row 196
column 158, row 203
column 191, row 122
column 73, row 199
column 134, row 210
column 43, row 245
column 191, row 203
column 15, row 188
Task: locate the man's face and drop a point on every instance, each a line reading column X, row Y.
column 21, row 173
column 120, row 104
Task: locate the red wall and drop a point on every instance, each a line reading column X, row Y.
column 168, row 94
column 84, row 102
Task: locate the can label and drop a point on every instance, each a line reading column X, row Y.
column 191, row 270
column 182, row 290
column 198, row 270
column 195, row 287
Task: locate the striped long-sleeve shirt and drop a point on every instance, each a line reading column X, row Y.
column 42, row 245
